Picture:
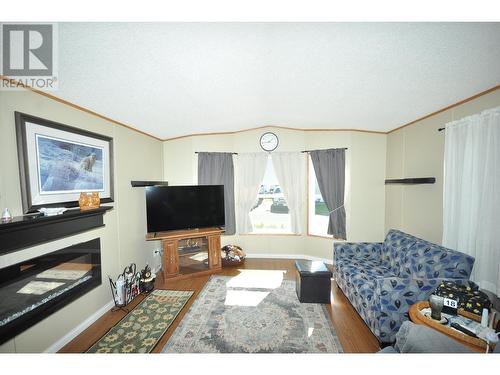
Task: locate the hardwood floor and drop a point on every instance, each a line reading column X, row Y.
column 353, row 333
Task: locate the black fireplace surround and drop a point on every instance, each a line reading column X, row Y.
column 33, row 289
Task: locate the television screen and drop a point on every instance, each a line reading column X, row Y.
column 184, row 207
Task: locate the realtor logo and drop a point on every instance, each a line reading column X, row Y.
column 28, row 56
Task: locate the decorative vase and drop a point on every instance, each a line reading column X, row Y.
column 6, row 216
column 96, row 201
column 436, row 303
column 89, row 201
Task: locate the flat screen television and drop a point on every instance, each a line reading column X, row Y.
column 184, row 207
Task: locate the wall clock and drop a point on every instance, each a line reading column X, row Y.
column 269, row 141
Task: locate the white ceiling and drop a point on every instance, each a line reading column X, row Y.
column 173, row 79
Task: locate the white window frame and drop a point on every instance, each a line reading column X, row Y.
column 274, row 233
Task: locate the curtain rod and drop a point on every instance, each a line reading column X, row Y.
column 234, row 153
column 343, row 148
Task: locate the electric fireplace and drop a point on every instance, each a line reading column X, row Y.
column 33, row 289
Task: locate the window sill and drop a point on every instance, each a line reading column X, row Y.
column 326, row 237
column 270, row 234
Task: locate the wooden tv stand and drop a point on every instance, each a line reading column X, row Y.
column 170, row 242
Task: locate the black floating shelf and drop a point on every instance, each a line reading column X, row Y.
column 31, row 230
column 148, row 183
column 412, row 181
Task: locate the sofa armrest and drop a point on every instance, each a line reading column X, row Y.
column 357, row 250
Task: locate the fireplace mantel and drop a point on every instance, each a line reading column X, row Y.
column 25, row 231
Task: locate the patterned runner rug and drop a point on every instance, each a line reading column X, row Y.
column 140, row 329
column 244, row 315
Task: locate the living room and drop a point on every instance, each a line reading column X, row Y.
column 334, row 187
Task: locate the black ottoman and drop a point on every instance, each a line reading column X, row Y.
column 314, row 282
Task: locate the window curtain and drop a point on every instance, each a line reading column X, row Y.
column 471, row 194
column 216, row 168
column 250, row 172
column 329, row 166
column 289, row 168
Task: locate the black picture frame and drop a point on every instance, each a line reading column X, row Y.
column 29, row 175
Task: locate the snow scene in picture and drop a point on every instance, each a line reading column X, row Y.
column 65, row 166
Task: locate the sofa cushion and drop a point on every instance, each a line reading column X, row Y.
column 396, row 245
column 360, row 276
column 374, row 271
column 363, row 287
column 369, row 267
column 427, row 260
column 357, row 250
column 359, row 288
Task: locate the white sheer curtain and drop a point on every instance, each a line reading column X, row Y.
column 290, row 170
column 471, row 201
column 250, row 169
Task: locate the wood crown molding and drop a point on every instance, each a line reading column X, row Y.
column 76, row 106
column 276, row 127
column 83, row 109
column 494, row 88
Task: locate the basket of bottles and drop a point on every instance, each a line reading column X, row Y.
column 126, row 286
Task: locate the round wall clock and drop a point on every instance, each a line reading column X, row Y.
column 269, row 141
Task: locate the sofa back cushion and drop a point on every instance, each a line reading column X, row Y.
column 426, row 260
column 396, row 246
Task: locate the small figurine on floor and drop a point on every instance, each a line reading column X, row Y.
column 147, row 281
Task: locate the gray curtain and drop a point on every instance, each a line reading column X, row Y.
column 216, row 168
column 329, row 166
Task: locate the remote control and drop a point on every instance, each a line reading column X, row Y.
column 462, row 329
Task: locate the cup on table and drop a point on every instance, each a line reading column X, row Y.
column 436, row 303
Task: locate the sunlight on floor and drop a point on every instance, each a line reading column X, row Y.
column 244, row 298
column 259, row 279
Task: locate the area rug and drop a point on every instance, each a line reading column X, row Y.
column 141, row 328
column 227, row 318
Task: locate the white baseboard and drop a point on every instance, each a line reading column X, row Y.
column 55, row 347
column 289, row 256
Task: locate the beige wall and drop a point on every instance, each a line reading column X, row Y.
column 136, row 157
column 365, row 160
column 372, row 207
column 418, row 151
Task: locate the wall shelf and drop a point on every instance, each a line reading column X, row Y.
column 148, row 183
column 30, row 230
column 412, row 181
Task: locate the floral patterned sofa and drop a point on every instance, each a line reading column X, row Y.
column 382, row 280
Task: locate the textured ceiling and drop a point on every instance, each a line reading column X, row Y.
column 173, row 79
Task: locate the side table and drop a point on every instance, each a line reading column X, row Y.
column 473, row 343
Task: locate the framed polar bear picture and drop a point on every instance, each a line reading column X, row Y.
column 57, row 162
